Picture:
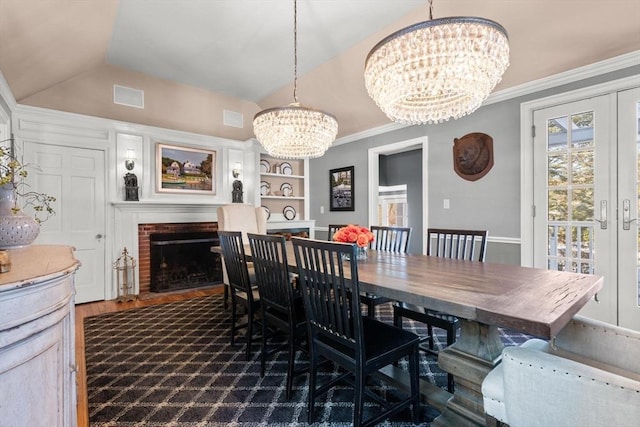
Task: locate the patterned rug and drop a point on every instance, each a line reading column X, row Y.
column 172, row 365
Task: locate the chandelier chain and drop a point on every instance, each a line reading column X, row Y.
column 295, row 50
column 430, row 10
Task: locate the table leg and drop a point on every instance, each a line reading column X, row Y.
column 469, row 359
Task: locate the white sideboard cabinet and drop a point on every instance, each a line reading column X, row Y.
column 37, row 343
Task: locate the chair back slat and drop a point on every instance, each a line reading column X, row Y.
column 331, row 313
column 269, row 256
column 235, row 262
column 332, row 228
column 390, row 239
column 458, row 244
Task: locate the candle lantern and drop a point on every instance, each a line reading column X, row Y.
column 125, row 267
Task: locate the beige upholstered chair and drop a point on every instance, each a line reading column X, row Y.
column 247, row 219
column 242, row 217
column 589, row 375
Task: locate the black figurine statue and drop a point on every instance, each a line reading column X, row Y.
column 236, row 194
column 131, row 187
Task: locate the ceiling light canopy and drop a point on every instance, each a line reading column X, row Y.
column 294, row 131
column 436, row 70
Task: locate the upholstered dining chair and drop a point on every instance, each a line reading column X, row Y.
column 339, row 333
column 242, row 292
column 281, row 306
column 447, row 243
column 240, row 217
column 387, row 239
column 588, row 375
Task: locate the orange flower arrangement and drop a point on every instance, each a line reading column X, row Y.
column 361, row 236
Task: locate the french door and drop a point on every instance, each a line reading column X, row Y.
column 586, row 196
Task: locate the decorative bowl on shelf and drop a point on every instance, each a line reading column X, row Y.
column 286, row 189
column 265, row 188
column 285, row 168
column 289, row 212
column 265, row 167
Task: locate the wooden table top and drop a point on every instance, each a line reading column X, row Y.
column 534, row 301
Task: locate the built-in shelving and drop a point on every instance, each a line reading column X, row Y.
column 283, row 189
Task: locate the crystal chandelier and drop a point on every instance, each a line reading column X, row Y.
column 295, row 131
column 436, row 70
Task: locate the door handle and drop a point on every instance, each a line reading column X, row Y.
column 99, row 236
column 603, row 215
column 626, row 215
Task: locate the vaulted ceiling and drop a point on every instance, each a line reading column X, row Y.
column 196, row 58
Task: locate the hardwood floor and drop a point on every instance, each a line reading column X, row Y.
column 95, row 308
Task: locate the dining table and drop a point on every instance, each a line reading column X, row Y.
column 484, row 297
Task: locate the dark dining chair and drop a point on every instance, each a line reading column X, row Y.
column 386, row 239
column 339, row 333
column 457, row 244
column 281, row 306
column 332, row 228
column 240, row 287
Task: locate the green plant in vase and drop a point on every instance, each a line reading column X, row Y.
column 18, row 229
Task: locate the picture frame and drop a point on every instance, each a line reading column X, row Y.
column 341, row 184
column 185, row 170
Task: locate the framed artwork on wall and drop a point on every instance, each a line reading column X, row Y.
column 341, row 196
column 185, row 170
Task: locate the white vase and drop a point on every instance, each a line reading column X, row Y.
column 16, row 228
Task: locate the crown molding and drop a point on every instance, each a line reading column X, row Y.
column 592, row 70
column 5, row 93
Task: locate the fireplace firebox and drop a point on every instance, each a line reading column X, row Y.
column 184, row 260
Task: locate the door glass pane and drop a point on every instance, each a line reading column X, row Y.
column 570, row 192
column 582, row 130
column 557, row 134
column 582, row 204
column 582, row 167
column 558, row 205
column 558, row 169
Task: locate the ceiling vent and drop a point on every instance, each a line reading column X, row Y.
column 232, row 118
column 127, row 96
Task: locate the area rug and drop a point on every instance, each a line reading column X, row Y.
column 172, row 365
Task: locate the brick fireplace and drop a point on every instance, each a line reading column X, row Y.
column 145, row 231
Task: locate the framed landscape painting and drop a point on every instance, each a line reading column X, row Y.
column 341, row 197
column 185, row 170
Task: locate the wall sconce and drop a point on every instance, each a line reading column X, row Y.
column 237, row 194
column 237, row 170
column 130, row 159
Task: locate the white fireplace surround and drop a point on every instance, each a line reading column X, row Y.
column 128, row 215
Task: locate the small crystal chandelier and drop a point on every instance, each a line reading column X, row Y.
column 295, row 131
column 436, row 70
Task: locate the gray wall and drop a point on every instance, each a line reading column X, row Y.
column 492, row 202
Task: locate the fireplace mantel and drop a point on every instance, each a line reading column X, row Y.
column 128, row 215
column 153, row 204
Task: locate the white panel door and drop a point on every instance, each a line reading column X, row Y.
column 75, row 176
column 629, row 208
column 585, row 173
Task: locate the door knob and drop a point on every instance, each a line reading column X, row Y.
column 99, row 236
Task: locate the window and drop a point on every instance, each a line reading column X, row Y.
column 392, row 206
